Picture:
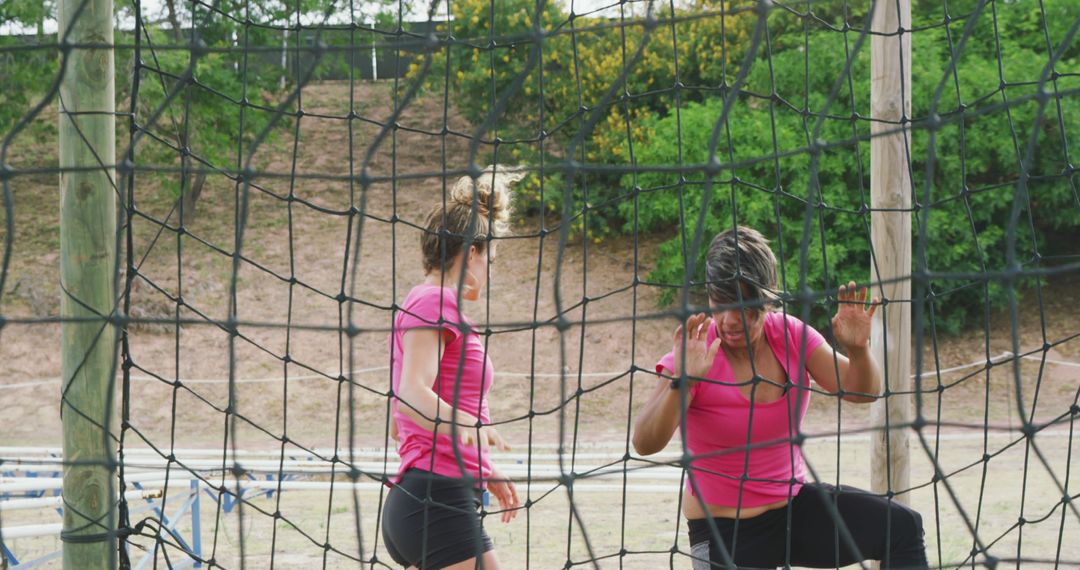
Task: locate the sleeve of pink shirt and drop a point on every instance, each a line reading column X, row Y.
column 433, row 308
column 666, row 366
column 798, row 329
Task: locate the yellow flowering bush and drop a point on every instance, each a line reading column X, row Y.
column 576, row 75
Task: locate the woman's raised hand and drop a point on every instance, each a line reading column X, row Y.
column 692, row 337
column 851, row 325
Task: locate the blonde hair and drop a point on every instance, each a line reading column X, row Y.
column 476, row 210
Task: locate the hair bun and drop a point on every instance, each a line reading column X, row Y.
column 492, row 190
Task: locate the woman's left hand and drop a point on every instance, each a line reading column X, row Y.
column 505, row 493
column 488, row 437
column 851, row 325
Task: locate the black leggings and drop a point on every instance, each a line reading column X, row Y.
column 431, row 521
column 880, row 529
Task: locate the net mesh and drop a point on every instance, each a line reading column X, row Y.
column 275, row 164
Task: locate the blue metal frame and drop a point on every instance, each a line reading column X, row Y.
column 196, row 522
column 191, row 506
column 7, row 555
column 229, row 499
column 169, row 525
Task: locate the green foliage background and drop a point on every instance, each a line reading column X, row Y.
column 27, row 72
column 215, row 116
column 964, row 172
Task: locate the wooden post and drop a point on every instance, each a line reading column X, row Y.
column 890, row 189
column 87, row 273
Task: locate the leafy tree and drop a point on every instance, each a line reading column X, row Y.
column 971, row 166
column 233, row 93
column 581, row 59
column 24, row 74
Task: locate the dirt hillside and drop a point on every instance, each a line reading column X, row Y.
column 297, row 264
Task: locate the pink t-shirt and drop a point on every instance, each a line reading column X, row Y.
column 432, row 306
column 720, row 433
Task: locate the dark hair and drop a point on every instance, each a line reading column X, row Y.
column 446, row 231
column 740, row 266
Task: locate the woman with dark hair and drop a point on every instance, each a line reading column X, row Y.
column 441, row 377
column 746, row 383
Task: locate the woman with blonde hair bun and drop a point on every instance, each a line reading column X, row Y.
column 441, row 375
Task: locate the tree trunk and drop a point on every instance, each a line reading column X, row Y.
column 174, row 21
column 189, row 199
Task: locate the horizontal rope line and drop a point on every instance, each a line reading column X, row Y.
column 1004, row 356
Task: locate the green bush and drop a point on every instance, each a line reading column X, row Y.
column 21, row 74
column 25, row 75
column 568, row 84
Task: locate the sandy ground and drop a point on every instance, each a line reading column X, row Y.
column 298, row 263
column 987, row 499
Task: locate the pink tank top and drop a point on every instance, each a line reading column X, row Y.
column 431, row 306
column 743, row 453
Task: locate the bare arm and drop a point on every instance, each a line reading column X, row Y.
column 656, row 423
column 858, row 373
column 421, row 349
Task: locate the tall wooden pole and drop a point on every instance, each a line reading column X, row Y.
column 890, row 227
column 87, row 273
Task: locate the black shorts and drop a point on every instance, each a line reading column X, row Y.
column 431, row 521
column 808, row 533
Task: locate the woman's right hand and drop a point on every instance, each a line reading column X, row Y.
column 505, row 493
column 693, row 339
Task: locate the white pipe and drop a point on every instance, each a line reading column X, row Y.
column 11, row 485
column 342, row 451
column 295, row 467
column 12, row 455
column 24, row 484
column 325, row 468
column 232, row 486
column 137, row 467
column 49, row 502
column 30, row 530
column 326, row 486
column 19, row 484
